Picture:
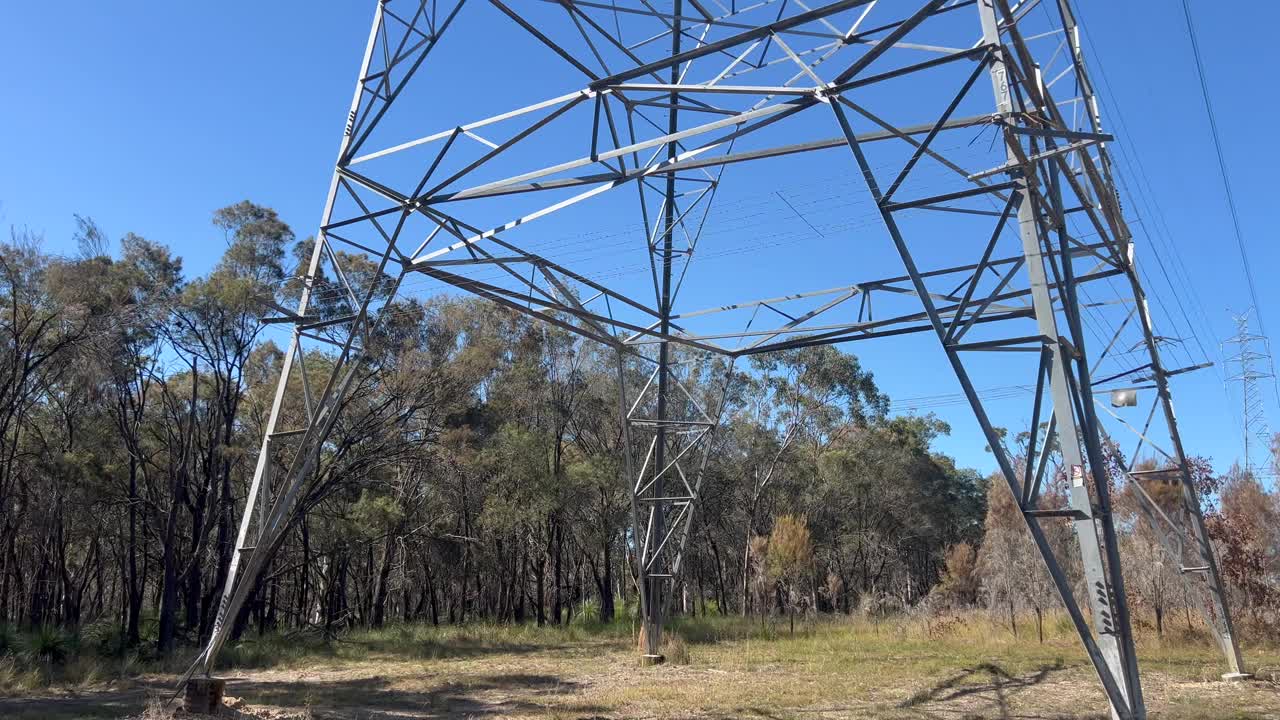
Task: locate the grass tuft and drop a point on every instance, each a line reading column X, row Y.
column 18, row 679
column 156, row 709
column 675, row 650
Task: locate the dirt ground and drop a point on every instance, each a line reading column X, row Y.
column 809, row 679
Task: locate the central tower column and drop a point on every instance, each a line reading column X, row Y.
column 657, row 583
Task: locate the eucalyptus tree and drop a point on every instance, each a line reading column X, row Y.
column 217, row 323
column 53, row 312
column 594, row 473
column 812, row 396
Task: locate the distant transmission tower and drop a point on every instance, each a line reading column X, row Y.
column 1253, row 358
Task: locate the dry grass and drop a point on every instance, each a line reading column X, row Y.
column 675, row 650
column 964, row 667
column 156, row 709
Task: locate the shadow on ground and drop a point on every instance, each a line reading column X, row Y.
column 95, row 704
column 377, row 699
column 373, row 698
column 984, row 691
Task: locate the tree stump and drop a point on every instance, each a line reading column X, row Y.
column 204, row 696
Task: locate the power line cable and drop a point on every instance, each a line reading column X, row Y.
column 1157, row 232
column 1222, row 163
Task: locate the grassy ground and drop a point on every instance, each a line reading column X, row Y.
column 721, row 668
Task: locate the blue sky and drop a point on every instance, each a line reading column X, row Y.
column 149, row 116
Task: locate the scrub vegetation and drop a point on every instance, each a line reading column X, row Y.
column 465, row 542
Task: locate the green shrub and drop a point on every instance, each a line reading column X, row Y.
column 48, row 645
column 588, row 613
column 698, row 630
column 266, row 651
column 105, row 638
column 629, row 609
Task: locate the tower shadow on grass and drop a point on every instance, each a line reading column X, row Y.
column 369, row 698
column 376, row 698
column 983, row 691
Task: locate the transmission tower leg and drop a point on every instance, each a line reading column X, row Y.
column 1073, row 412
column 1189, row 522
column 1107, row 639
column 252, row 552
column 671, row 484
column 660, row 579
column 1111, row 650
column 397, row 45
column 667, row 483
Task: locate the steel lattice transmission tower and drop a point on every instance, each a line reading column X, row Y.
column 1253, row 357
column 968, row 198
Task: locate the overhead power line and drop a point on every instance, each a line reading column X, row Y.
column 1161, row 238
column 1222, row 164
